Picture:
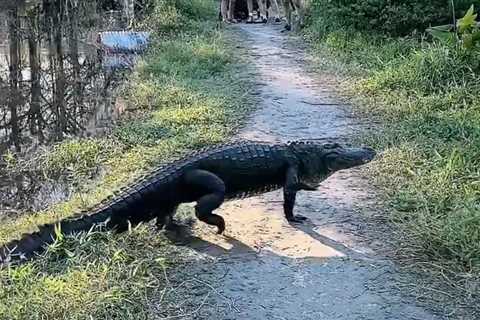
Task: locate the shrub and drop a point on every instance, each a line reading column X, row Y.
column 393, row 17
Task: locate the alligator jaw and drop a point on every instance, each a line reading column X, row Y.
column 345, row 158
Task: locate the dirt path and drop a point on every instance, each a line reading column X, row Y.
column 265, row 268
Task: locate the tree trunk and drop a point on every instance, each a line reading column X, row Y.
column 129, row 12
column 14, row 76
column 35, row 116
column 73, row 13
column 59, row 95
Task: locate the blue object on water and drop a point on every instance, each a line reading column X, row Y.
column 124, row 41
column 120, row 49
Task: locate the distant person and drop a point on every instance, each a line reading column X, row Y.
column 227, row 11
column 262, row 8
column 231, row 10
column 294, row 5
column 273, row 9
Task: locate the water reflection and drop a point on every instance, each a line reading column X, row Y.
column 56, row 81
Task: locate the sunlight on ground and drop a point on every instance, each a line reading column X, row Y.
column 255, row 227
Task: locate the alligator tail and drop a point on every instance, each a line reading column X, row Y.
column 113, row 213
column 32, row 243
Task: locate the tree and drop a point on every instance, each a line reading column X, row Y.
column 34, row 114
column 14, row 100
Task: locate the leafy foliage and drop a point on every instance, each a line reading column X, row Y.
column 394, row 17
column 466, row 31
column 183, row 16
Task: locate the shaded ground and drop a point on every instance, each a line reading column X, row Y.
column 265, row 268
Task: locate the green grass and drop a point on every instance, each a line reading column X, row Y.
column 428, row 97
column 98, row 276
column 188, row 92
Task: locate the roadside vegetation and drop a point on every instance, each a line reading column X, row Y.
column 425, row 87
column 187, row 92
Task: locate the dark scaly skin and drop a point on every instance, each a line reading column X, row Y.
column 208, row 177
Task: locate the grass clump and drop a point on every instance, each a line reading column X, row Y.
column 93, row 275
column 192, row 57
column 428, row 97
column 188, row 92
column 77, row 157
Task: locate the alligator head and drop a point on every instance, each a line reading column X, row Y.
column 338, row 158
column 320, row 160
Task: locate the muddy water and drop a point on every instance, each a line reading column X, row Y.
column 265, row 268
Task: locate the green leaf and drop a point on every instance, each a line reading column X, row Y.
column 445, row 28
column 443, row 33
column 468, row 21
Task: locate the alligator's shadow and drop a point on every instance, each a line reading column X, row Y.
column 183, row 235
column 308, row 228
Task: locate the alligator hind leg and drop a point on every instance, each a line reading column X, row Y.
column 205, row 206
column 212, row 193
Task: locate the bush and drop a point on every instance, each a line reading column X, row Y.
column 180, row 15
column 393, row 17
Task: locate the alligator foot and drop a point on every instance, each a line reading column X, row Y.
column 213, row 190
column 297, row 218
column 221, row 230
column 169, row 225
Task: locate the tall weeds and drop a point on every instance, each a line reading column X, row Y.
column 428, row 95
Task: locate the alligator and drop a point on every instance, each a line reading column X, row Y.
column 208, row 177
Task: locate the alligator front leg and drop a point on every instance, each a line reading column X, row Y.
column 165, row 219
column 212, row 191
column 292, row 186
